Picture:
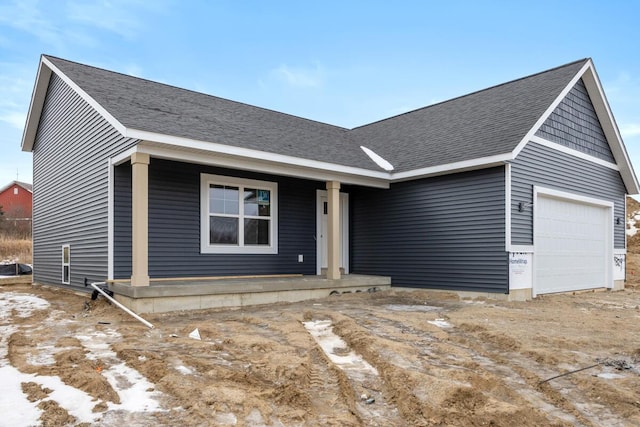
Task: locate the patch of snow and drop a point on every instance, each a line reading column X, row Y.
column 14, row 404
column 133, row 389
column 225, row 419
column 609, row 375
column 440, row 323
column 23, row 304
column 184, row 370
column 44, row 355
column 136, row 393
column 631, row 227
column 322, row 332
column 16, row 410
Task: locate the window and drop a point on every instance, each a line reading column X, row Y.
column 66, row 264
column 238, row 215
column 15, row 190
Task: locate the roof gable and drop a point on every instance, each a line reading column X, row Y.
column 575, row 124
column 21, row 184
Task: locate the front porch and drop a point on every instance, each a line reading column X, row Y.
column 163, row 295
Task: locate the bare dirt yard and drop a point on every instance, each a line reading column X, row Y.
column 393, row 358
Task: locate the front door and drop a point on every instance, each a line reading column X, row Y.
column 321, row 238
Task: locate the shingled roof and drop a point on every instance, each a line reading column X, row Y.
column 159, row 108
column 485, row 123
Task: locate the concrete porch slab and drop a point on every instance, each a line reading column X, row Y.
column 180, row 294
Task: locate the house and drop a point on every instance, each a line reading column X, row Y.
column 16, row 203
column 515, row 190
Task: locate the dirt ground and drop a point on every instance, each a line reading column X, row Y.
column 427, row 358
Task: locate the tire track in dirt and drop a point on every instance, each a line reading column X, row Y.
column 561, row 399
column 361, row 386
column 425, row 391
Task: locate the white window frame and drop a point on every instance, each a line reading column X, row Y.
column 205, row 247
column 66, row 264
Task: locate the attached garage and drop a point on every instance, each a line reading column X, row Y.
column 573, row 238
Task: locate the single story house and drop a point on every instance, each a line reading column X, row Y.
column 516, row 190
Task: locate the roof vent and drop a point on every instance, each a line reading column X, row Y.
column 379, row 160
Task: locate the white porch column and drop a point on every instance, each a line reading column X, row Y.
column 140, row 219
column 333, row 235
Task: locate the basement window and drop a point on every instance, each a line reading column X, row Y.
column 66, row 264
column 238, row 215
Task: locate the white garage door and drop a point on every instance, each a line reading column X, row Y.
column 572, row 245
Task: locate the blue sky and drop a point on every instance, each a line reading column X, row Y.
column 342, row 62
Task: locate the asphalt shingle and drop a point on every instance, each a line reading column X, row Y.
column 485, row 123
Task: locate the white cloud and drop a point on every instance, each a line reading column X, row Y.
column 26, row 15
column 14, row 119
column 300, row 76
column 629, row 130
column 113, row 16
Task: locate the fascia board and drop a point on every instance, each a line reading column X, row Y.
column 35, row 107
column 84, row 95
column 252, row 164
column 248, row 153
column 466, row 165
column 550, row 109
column 610, row 128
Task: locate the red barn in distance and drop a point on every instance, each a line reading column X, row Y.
column 16, row 201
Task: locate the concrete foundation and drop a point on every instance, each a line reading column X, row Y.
column 513, row 295
column 175, row 295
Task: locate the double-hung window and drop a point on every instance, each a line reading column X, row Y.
column 238, row 215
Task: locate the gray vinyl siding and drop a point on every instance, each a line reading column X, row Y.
column 446, row 232
column 574, row 124
column 174, row 225
column 546, row 167
column 70, row 183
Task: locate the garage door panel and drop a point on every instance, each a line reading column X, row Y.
column 571, row 244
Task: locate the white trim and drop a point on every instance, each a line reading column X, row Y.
column 63, row 264
column 241, row 248
column 110, row 219
column 610, row 128
column 624, row 221
column 377, row 158
column 214, row 147
column 507, row 207
column 317, row 237
column 550, row 109
column 521, row 248
column 558, row 194
column 619, row 251
column 256, row 165
column 572, row 152
column 563, row 195
column 125, row 156
column 465, row 165
column 84, row 95
column 35, row 107
column 344, row 218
